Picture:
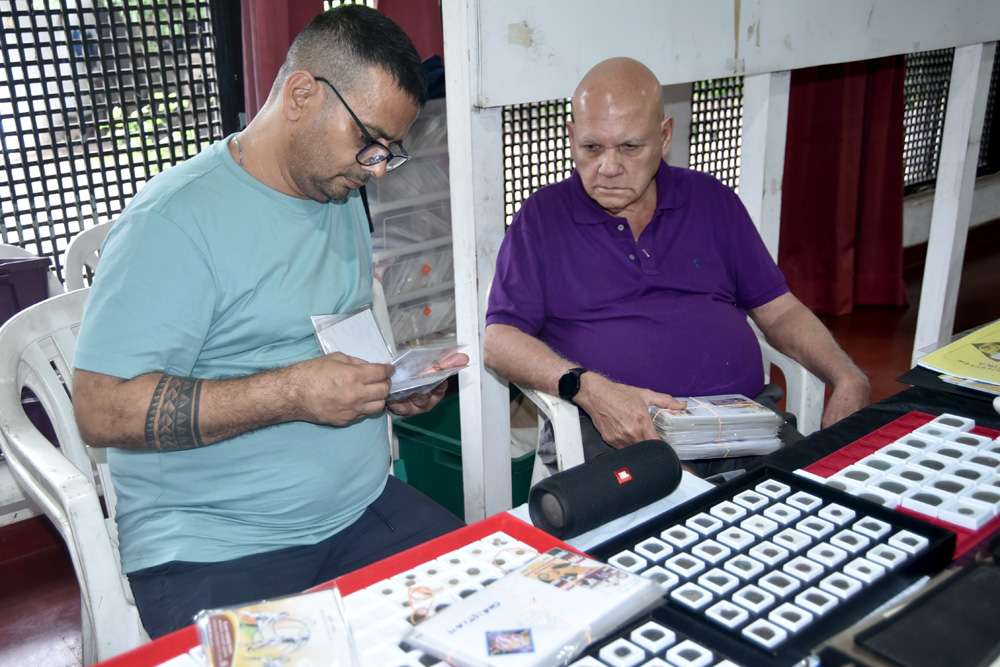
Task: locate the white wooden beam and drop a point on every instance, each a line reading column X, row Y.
column 953, row 191
column 475, row 149
column 762, row 152
column 529, row 52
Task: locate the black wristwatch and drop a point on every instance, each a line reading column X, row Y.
column 569, row 384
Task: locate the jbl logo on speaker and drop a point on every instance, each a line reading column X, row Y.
column 623, row 475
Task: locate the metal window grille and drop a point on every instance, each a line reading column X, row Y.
column 535, row 148
column 330, row 4
column 717, row 128
column 96, row 97
column 925, row 93
column 989, row 151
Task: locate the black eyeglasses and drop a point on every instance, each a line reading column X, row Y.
column 373, row 152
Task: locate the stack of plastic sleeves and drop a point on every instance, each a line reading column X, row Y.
column 711, row 427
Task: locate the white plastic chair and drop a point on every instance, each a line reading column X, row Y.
column 36, row 351
column 16, row 252
column 19, row 508
column 83, row 253
column 804, row 399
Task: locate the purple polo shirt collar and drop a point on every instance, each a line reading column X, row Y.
column 588, row 212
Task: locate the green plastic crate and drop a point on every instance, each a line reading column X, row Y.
column 431, row 451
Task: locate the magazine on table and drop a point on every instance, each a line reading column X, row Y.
column 357, row 334
column 544, row 613
column 974, row 357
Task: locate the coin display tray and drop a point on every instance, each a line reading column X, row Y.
column 766, row 585
column 382, row 613
column 943, row 469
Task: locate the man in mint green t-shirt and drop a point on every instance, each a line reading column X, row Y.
column 246, row 463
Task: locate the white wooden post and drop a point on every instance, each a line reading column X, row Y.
column 475, row 149
column 677, row 105
column 963, row 128
column 762, row 151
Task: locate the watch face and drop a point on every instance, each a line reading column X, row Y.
column 569, row 384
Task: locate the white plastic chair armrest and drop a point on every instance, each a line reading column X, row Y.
column 70, row 500
column 56, row 485
column 44, row 473
column 565, row 419
column 805, row 394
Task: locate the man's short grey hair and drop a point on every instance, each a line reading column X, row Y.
column 340, row 44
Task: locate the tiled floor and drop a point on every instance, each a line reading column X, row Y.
column 39, row 603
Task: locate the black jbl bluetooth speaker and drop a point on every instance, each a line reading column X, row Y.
column 574, row 501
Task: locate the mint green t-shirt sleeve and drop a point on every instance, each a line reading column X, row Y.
column 152, row 301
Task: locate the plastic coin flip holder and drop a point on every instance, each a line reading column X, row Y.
column 653, row 549
column 768, row 566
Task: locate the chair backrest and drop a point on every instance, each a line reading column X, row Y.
column 83, row 254
column 36, row 352
column 14, row 251
column 380, row 309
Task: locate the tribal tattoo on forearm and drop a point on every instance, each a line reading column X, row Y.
column 172, row 419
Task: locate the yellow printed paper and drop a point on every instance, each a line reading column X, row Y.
column 973, row 357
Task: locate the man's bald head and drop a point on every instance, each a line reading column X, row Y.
column 619, row 135
column 618, row 85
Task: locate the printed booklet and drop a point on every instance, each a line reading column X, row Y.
column 544, row 613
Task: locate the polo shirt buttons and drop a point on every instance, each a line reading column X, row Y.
column 621, row 228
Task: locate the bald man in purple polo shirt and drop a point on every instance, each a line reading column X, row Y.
column 630, row 282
